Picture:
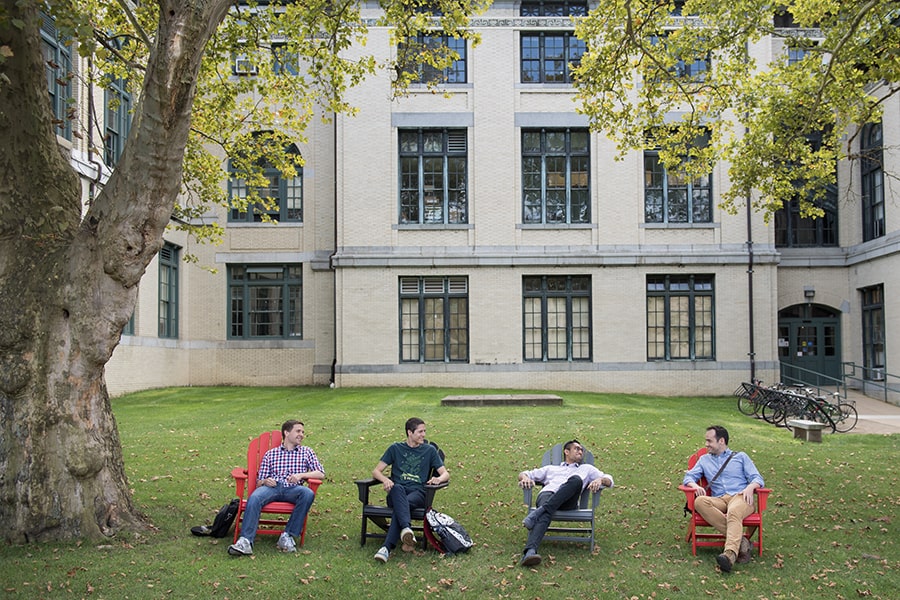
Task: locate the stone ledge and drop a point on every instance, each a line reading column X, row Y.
column 809, row 431
column 503, row 400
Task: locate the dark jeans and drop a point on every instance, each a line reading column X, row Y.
column 401, row 501
column 565, row 498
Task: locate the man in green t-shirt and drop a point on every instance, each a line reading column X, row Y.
column 412, row 462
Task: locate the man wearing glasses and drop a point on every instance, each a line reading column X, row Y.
column 563, row 484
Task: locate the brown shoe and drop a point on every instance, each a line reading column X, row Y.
column 726, row 561
column 744, row 553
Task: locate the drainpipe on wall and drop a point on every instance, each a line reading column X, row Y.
column 752, row 352
column 334, row 303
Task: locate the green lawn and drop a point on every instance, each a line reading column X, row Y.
column 830, row 531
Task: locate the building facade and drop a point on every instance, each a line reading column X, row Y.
column 483, row 236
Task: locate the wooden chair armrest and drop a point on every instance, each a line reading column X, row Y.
column 689, row 496
column 431, row 490
column 363, row 486
column 595, row 497
column 313, row 484
column 240, row 480
column 762, row 496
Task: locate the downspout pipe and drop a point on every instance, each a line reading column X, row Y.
column 334, row 303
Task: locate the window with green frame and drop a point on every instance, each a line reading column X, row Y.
column 57, row 52
column 265, row 301
column 434, row 319
column 168, row 291
column 556, row 318
column 433, row 181
column 118, row 120
column 680, row 323
column 872, row 180
column 283, row 194
column 455, row 73
column 555, row 176
column 873, row 331
column 673, row 196
column 547, row 56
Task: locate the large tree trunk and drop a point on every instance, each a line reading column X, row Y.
column 68, row 282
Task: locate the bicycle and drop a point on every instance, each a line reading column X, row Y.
column 843, row 414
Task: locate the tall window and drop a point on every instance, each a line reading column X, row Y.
column 168, row 291
column 455, row 73
column 680, row 324
column 265, row 301
column 284, row 196
column 434, row 319
column 556, row 318
column 873, row 331
column 433, row 176
column 794, row 230
column 555, row 182
column 673, row 196
column 118, row 120
column 58, row 69
column 872, row 175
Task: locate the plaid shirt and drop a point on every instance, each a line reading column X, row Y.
column 279, row 463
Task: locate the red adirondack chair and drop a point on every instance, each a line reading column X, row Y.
column 245, row 483
column 753, row 524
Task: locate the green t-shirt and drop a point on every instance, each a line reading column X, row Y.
column 411, row 467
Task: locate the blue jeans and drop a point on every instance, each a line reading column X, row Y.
column 299, row 495
column 401, row 502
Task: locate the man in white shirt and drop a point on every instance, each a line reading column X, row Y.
column 563, row 485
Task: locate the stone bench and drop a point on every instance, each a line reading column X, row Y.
column 808, row 431
column 503, row 400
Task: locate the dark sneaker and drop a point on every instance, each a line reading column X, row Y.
column 744, row 553
column 241, row 547
column 530, row 558
column 725, row 561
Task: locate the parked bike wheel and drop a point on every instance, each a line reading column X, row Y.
column 847, row 419
column 749, row 404
column 773, row 412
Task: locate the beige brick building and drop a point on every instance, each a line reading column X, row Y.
column 484, row 237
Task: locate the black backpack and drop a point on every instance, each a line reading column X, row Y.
column 222, row 523
column 445, row 534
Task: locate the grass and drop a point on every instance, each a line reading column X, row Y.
column 829, row 529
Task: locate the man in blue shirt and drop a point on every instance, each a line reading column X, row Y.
column 731, row 498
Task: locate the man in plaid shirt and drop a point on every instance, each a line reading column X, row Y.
column 282, row 474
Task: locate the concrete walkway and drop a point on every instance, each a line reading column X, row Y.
column 875, row 416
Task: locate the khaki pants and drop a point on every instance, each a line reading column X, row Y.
column 726, row 514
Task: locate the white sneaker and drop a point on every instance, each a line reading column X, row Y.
column 408, row 537
column 382, row 555
column 241, row 547
column 286, row 543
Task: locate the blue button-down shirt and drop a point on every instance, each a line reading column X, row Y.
column 738, row 474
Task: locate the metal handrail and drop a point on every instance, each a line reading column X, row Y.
column 870, row 377
column 840, row 384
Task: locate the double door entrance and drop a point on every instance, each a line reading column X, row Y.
column 809, row 343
